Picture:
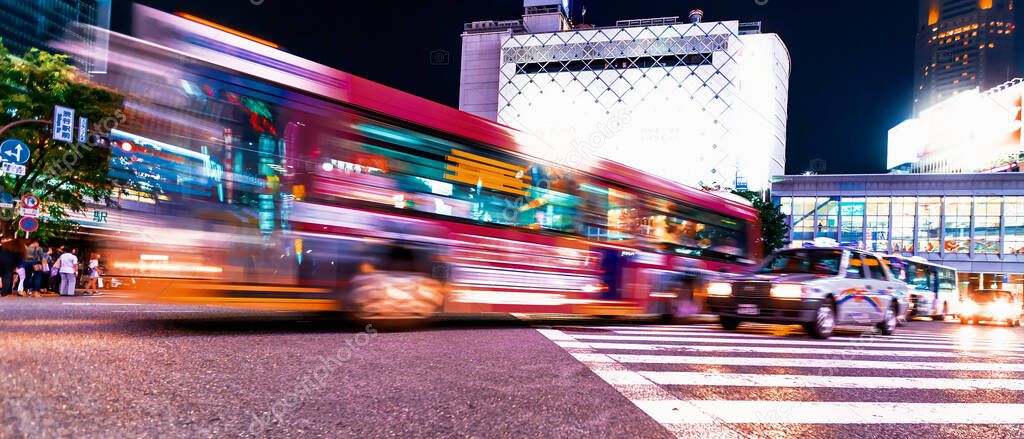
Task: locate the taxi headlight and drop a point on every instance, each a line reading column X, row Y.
column 787, row 291
column 720, row 289
column 969, row 307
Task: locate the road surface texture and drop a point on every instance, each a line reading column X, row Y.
column 92, row 367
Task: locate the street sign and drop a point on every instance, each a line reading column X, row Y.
column 83, row 129
column 30, row 201
column 63, row 124
column 25, row 211
column 28, row 224
column 15, row 151
column 6, row 200
column 11, row 168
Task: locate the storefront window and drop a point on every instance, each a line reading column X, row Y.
column 903, row 224
column 929, row 218
column 958, row 224
column 878, row 224
column 803, row 220
column 1013, row 244
column 987, row 211
column 828, row 218
column 852, row 212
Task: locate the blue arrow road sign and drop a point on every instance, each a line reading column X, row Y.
column 14, row 151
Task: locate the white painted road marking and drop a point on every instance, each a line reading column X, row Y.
column 809, row 412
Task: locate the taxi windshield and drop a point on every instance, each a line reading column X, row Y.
column 804, row 261
column 990, row 296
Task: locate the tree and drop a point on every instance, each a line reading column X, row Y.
column 64, row 176
column 774, row 230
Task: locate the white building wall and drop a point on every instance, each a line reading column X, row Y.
column 478, row 87
column 717, row 124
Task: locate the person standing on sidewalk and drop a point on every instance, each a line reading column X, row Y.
column 10, row 258
column 67, row 266
column 34, row 268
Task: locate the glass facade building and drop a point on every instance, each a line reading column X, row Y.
column 31, row 24
column 972, row 222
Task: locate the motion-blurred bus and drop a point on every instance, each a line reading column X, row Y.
column 934, row 291
column 256, row 178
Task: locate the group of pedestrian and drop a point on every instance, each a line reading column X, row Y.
column 29, row 269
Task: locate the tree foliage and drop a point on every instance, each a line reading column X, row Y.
column 774, row 227
column 64, row 176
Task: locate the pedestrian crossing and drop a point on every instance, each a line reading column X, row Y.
column 773, row 381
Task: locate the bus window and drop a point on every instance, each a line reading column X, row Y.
column 947, row 279
column 608, row 214
column 684, row 230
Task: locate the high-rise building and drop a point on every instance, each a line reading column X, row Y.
column 27, row 24
column 700, row 102
column 962, row 45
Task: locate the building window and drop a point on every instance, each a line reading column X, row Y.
column 929, row 218
column 852, row 212
column 903, row 224
column 958, row 224
column 803, row 220
column 878, row 224
column 828, row 218
column 987, row 213
column 1013, row 243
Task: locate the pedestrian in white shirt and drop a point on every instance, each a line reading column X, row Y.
column 68, row 269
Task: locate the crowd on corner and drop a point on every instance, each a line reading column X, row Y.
column 30, row 269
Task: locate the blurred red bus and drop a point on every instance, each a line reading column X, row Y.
column 275, row 181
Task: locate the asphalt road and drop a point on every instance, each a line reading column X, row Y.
column 89, row 367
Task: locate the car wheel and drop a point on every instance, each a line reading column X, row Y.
column 965, row 321
column 824, row 322
column 888, row 324
column 729, row 323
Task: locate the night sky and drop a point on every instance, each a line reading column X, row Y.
column 852, row 61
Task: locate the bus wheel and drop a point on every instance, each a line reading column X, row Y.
column 942, row 317
column 394, row 295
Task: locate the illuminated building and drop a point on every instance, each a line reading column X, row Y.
column 971, row 222
column 702, row 103
column 971, row 132
column 962, row 45
column 28, row 24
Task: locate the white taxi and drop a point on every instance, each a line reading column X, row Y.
column 818, row 288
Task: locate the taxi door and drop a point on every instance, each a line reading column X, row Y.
column 850, row 303
column 880, row 288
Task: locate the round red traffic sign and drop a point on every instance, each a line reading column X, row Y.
column 28, row 224
column 30, row 201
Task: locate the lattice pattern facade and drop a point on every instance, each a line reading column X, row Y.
column 696, row 103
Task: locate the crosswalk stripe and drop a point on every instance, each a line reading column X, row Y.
column 799, row 362
column 864, row 343
column 846, row 353
column 843, row 382
column 792, row 330
column 864, row 339
column 806, row 412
